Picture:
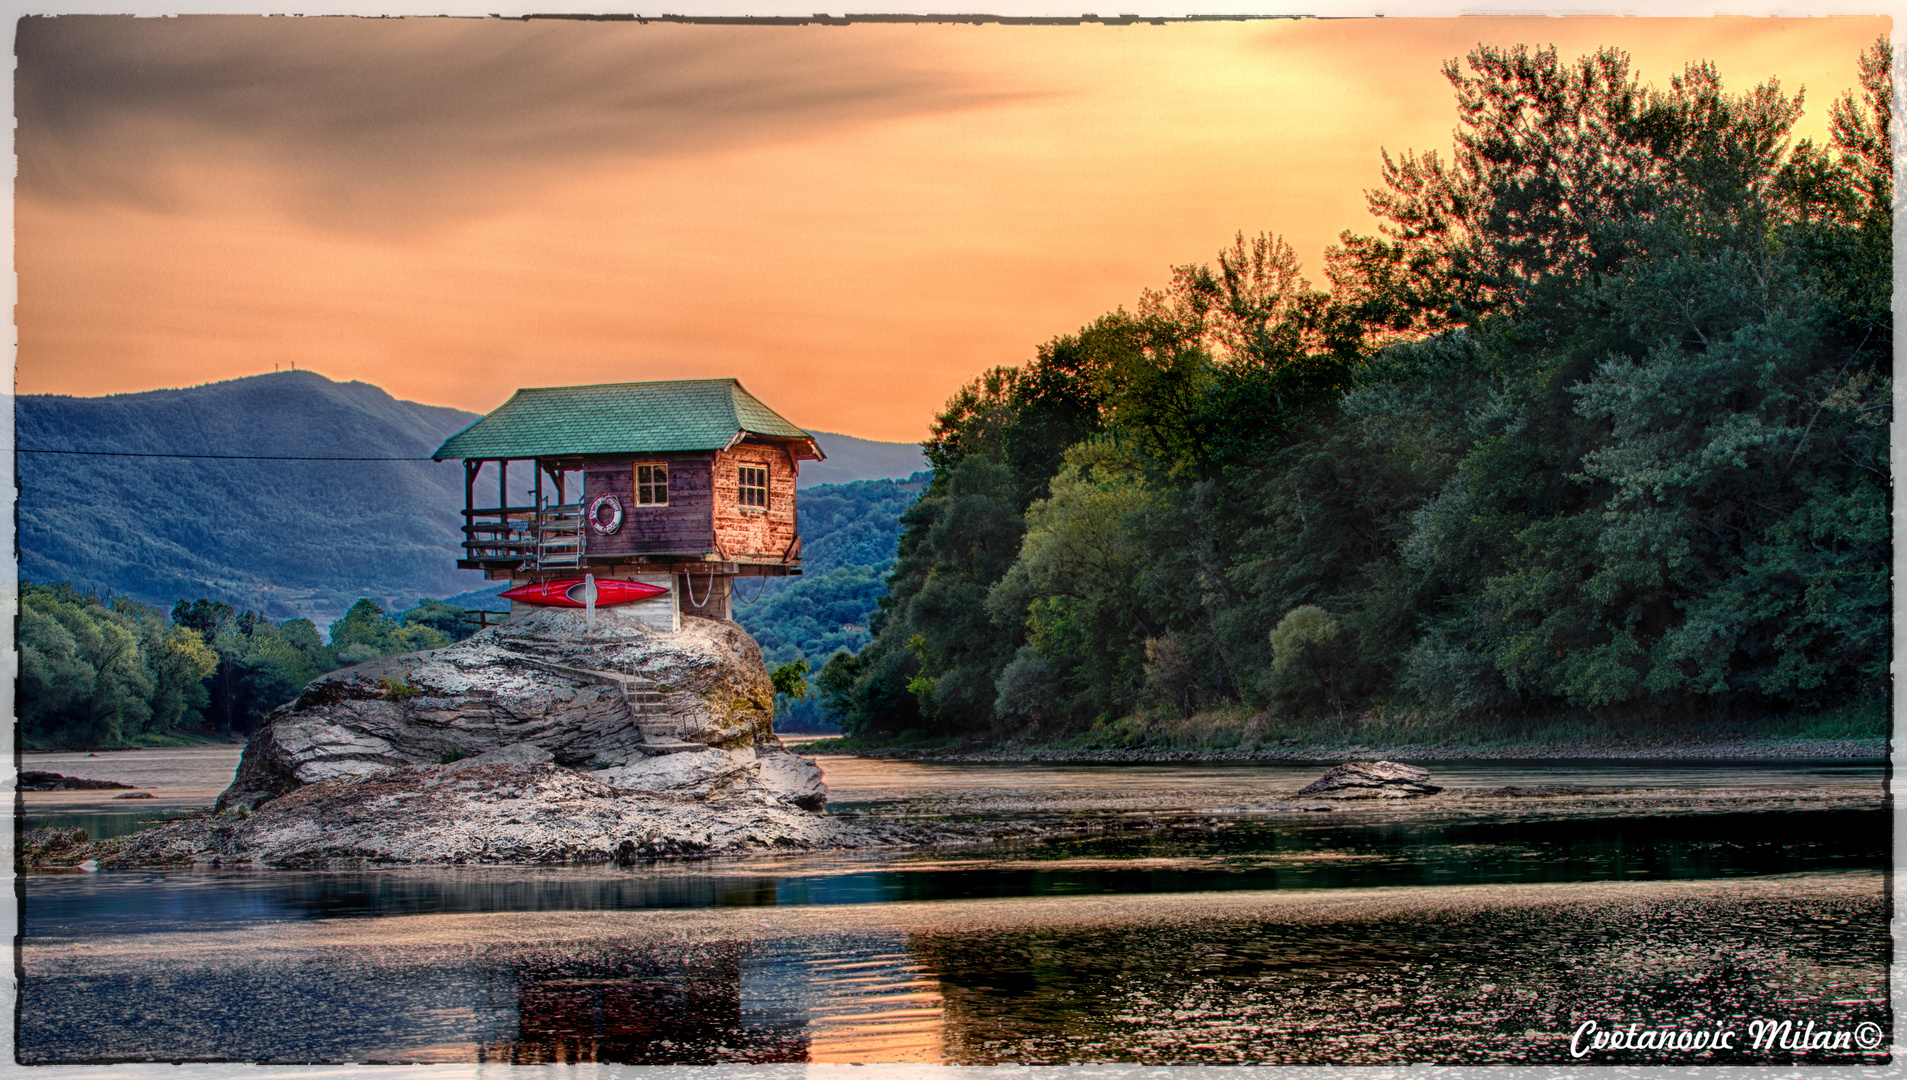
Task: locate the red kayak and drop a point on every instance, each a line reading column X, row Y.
column 569, row 593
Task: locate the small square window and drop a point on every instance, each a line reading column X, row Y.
column 754, row 486
column 652, row 485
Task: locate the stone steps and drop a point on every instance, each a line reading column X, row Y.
column 657, row 746
column 595, row 675
column 658, row 726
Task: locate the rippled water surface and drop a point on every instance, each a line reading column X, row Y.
column 1224, row 935
column 856, row 779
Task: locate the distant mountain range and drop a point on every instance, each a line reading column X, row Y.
column 286, row 538
column 851, row 459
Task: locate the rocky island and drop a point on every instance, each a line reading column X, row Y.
column 550, row 739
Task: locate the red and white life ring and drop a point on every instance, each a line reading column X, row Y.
column 603, row 525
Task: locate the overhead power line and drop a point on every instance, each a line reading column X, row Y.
column 216, row 457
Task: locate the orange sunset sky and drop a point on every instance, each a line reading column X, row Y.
column 853, row 220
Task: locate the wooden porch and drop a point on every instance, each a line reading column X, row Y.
column 551, row 537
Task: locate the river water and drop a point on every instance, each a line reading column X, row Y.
column 1185, row 921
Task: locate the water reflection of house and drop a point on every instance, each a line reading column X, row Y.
column 685, row 485
column 661, row 1005
column 859, row 997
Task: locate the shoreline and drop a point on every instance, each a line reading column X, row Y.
column 1760, row 750
column 541, row 814
column 955, row 821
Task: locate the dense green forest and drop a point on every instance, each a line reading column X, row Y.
column 849, row 533
column 1595, row 427
column 102, row 672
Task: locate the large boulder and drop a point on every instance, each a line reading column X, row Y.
column 613, row 695
column 1371, row 780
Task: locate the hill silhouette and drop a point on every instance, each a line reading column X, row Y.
column 851, row 459
column 286, row 538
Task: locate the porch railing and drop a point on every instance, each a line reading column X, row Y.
column 526, row 537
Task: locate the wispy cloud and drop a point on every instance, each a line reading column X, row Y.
column 853, row 220
column 368, row 123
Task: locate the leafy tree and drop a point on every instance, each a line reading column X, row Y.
column 933, row 632
column 1078, row 589
column 84, row 674
column 993, row 448
column 180, row 661
column 366, row 633
column 98, row 673
column 261, row 666
column 204, row 616
column 84, row 678
column 791, row 679
column 1740, row 490
column 446, row 619
column 1307, row 651
column 1671, row 497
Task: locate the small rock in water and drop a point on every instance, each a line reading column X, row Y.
column 50, row 845
column 1372, row 780
column 31, row 780
column 135, row 795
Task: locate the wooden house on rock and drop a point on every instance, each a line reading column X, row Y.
column 684, row 486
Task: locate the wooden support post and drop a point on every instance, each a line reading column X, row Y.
column 503, row 488
column 536, row 529
column 470, row 503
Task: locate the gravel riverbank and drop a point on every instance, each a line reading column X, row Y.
column 1664, row 750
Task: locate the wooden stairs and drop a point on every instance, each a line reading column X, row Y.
column 559, row 536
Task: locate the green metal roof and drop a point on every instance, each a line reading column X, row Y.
column 621, row 418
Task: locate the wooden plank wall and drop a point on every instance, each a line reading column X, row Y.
column 746, row 532
column 715, row 594
column 680, row 528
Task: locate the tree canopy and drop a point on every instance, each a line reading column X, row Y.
column 1597, row 421
column 101, row 671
